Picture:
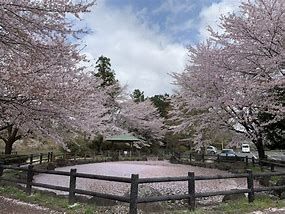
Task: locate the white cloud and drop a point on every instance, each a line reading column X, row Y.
column 173, row 7
column 140, row 56
column 209, row 16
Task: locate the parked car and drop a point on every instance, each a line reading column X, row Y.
column 228, row 153
column 211, row 150
column 245, row 148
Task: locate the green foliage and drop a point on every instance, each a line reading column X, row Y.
column 13, row 159
column 78, row 145
column 154, row 149
column 138, row 96
column 162, row 103
column 103, row 65
column 274, row 131
column 97, row 143
column 175, row 140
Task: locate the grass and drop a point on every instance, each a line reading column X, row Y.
column 239, row 206
column 60, row 203
column 54, row 202
column 255, row 168
column 13, row 174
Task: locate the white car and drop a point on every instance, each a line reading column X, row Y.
column 245, row 148
column 211, row 150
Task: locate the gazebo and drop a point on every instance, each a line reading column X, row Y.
column 124, row 138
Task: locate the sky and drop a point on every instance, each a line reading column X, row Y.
column 147, row 40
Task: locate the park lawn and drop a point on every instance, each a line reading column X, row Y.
column 60, row 203
column 57, row 203
column 240, row 206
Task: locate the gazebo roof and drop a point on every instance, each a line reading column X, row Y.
column 123, row 137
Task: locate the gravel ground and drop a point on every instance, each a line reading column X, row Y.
column 12, row 206
column 144, row 169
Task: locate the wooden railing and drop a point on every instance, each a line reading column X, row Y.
column 41, row 157
column 12, row 153
column 134, row 199
column 272, row 164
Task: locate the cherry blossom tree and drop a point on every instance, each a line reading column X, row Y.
column 46, row 103
column 33, row 29
column 141, row 118
column 229, row 79
column 43, row 88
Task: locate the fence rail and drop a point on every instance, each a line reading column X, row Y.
column 217, row 158
column 190, row 157
column 28, row 159
column 134, row 198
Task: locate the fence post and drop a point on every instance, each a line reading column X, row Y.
column 30, row 175
column 51, row 157
column 31, row 158
column 1, row 168
column 246, row 160
column 272, row 167
column 191, row 191
column 179, row 155
column 190, row 157
column 253, row 161
column 203, row 157
column 48, row 157
column 218, row 158
column 72, row 186
column 250, row 186
column 134, row 194
column 41, row 158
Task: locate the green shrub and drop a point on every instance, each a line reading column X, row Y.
column 78, row 145
column 60, row 162
column 13, row 159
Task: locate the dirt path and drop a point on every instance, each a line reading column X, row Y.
column 12, row 206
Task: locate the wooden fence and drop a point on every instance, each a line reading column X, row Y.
column 40, row 158
column 12, row 153
column 134, row 199
column 22, row 159
column 215, row 157
column 272, row 164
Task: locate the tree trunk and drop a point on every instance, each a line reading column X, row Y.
column 260, row 148
column 11, row 138
column 8, row 147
